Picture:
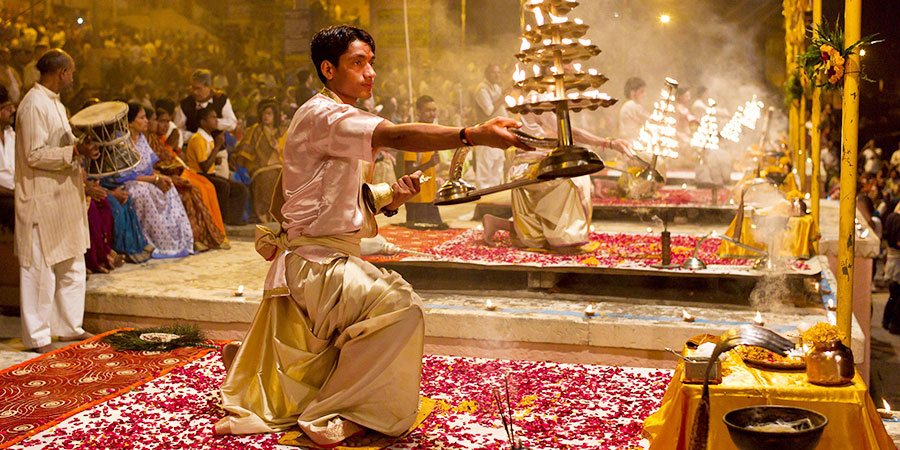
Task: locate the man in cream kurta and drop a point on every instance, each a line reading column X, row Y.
column 51, row 217
column 336, row 345
column 554, row 214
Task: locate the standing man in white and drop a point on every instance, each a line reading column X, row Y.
column 489, row 104
column 51, row 217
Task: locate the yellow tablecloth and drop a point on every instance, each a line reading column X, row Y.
column 853, row 422
column 798, row 239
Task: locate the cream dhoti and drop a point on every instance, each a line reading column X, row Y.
column 345, row 342
column 555, row 213
column 334, row 340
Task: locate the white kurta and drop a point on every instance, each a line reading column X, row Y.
column 49, row 187
column 51, row 220
column 631, row 118
column 488, row 161
column 8, row 159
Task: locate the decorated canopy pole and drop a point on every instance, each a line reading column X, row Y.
column 816, row 142
column 846, row 227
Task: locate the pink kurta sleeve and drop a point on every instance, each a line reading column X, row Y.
column 344, row 132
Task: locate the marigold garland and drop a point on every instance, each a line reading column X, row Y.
column 825, row 60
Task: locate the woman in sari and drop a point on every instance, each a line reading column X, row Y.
column 128, row 238
column 260, row 152
column 194, row 190
column 159, row 209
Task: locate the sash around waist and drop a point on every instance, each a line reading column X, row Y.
column 269, row 243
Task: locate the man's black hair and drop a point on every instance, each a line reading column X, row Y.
column 4, row 94
column 633, row 84
column 52, row 61
column 204, row 113
column 330, row 43
column 423, row 100
column 165, row 105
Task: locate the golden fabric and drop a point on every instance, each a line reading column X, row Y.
column 853, row 422
column 260, row 152
column 798, row 240
column 336, row 340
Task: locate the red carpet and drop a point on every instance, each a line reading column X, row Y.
column 40, row 393
column 674, row 197
column 418, row 240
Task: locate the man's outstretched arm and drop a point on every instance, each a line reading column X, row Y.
column 421, row 137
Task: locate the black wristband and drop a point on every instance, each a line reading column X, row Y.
column 463, row 138
column 389, row 212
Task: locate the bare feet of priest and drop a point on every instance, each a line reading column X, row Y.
column 229, row 351
column 493, row 224
column 79, row 337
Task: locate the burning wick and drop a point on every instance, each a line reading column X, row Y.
column 686, row 316
column 831, row 306
column 649, row 229
column 759, row 319
column 589, row 311
column 684, row 186
column 489, row 305
column 240, row 291
column 885, row 412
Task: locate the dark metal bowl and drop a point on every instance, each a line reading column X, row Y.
column 745, row 439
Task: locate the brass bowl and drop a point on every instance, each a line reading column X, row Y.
column 738, row 420
column 569, row 162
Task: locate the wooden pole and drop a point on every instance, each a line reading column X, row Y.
column 816, row 144
column 850, row 142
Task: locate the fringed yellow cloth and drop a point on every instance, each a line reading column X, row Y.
column 853, row 422
column 798, row 239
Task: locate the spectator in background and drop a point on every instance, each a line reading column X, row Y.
column 159, row 209
column 632, row 115
column 49, row 179
column 306, row 88
column 260, row 153
column 30, row 74
column 7, row 161
column 489, row 163
column 202, row 152
column 203, row 96
column 165, row 111
column 9, row 76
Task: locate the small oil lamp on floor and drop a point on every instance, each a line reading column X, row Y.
column 240, row 291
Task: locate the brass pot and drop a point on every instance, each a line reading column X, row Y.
column 830, row 363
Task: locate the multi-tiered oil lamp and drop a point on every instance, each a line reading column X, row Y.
column 550, row 79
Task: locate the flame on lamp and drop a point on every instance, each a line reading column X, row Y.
column 525, row 45
column 240, row 291
column 686, row 316
column 759, row 319
column 554, row 19
column 577, row 67
column 584, row 42
column 510, row 101
column 519, row 74
column 538, row 17
column 887, row 406
column 489, row 305
column 885, row 412
column 589, row 311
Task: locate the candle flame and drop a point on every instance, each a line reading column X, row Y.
column 759, row 318
column 525, row 45
column 536, row 69
column 887, row 406
column 554, row 19
column 511, row 102
column 686, row 315
column 577, row 67
column 489, row 304
column 589, row 311
column 584, row 42
column 538, row 17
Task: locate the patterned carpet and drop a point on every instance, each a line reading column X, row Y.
column 41, row 392
column 556, row 406
column 407, row 238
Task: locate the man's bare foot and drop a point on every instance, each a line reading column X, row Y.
column 493, row 224
column 229, row 350
column 335, row 432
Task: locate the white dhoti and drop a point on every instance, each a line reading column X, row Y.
column 555, row 213
column 488, row 166
column 51, row 297
column 344, row 342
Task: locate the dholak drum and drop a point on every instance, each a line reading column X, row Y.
column 107, row 124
